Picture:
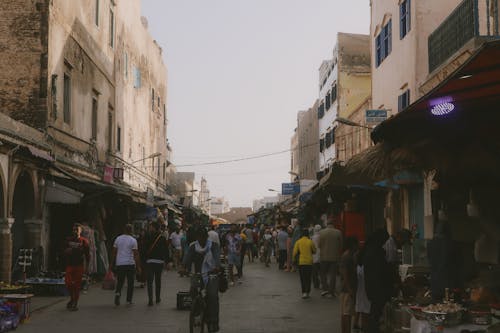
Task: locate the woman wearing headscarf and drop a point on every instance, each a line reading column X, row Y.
column 304, row 248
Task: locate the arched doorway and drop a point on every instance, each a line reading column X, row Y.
column 23, row 208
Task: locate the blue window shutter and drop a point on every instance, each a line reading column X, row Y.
column 401, row 20
column 400, row 103
column 390, row 37
column 408, row 16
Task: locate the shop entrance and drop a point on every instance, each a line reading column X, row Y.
column 62, row 218
column 23, row 208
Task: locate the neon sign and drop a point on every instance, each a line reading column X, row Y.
column 443, row 109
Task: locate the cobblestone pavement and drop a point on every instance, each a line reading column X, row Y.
column 267, row 301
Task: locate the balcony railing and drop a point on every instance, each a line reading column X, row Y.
column 472, row 18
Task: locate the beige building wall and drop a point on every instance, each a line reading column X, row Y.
column 407, row 66
column 294, row 155
column 352, row 140
column 308, row 132
column 354, row 80
column 141, row 78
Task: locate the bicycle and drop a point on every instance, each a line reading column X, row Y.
column 197, row 314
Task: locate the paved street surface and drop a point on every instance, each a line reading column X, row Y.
column 267, row 301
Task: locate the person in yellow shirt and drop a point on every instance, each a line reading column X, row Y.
column 305, row 249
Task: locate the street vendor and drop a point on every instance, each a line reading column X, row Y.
column 77, row 255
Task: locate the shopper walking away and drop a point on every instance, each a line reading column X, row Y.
column 267, row 244
column 348, row 277
column 330, row 244
column 156, row 257
column 378, row 278
column 233, row 253
column 125, row 258
column 304, row 248
column 282, row 239
column 316, row 257
column 206, row 258
column 248, row 231
column 77, row 255
column 363, row 305
column 289, row 250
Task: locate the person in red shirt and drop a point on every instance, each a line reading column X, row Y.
column 77, row 255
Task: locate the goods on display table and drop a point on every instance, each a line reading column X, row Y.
column 14, row 308
column 47, row 286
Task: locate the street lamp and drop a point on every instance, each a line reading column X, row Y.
column 146, row 158
column 350, row 123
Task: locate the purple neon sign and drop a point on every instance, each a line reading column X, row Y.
column 442, row 106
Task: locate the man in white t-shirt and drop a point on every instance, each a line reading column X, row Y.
column 125, row 259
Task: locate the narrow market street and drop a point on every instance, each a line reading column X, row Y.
column 267, row 301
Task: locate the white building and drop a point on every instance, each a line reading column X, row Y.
column 219, row 205
column 266, row 202
column 204, row 196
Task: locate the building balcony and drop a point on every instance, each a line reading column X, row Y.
column 472, row 19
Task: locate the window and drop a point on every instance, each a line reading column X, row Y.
column 94, row 118
column 332, row 136
column 327, row 101
column 404, row 18
column 164, row 115
column 159, row 102
column 321, row 111
column 404, row 100
column 321, row 145
column 118, row 138
column 67, row 99
column 152, row 99
column 96, row 12
column 158, row 170
column 125, row 65
column 111, row 28
column 383, row 43
column 328, row 140
column 137, row 77
column 110, row 131
column 333, row 96
column 53, row 95
column 143, row 156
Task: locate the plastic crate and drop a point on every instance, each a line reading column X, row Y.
column 184, row 300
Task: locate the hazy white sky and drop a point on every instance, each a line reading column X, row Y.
column 238, row 72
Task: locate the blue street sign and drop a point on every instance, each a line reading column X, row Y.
column 290, row 188
column 376, row 116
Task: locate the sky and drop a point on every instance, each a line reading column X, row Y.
column 238, row 73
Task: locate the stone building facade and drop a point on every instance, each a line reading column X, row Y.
column 83, row 92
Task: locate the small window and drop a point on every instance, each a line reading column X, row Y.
column 403, row 100
column 404, row 18
column 110, row 131
column 118, row 138
column 96, row 12
column 67, row 99
column 137, row 77
column 328, row 141
column 321, row 111
column 94, row 118
column 125, row 65
column 333, row 96
column 53, row 95
column 111, row 28
column 164, row 115
column 321, row 145
column 153, row 99
column 143, row 156
column 383, row 43
column 327, row 101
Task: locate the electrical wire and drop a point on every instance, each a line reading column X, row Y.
column 246, row 158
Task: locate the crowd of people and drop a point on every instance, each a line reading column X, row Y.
column 320, row 254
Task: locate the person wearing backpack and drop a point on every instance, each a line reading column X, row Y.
column 156, row 257
column 304, row 248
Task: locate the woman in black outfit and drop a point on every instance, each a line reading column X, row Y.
column 156, row 256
